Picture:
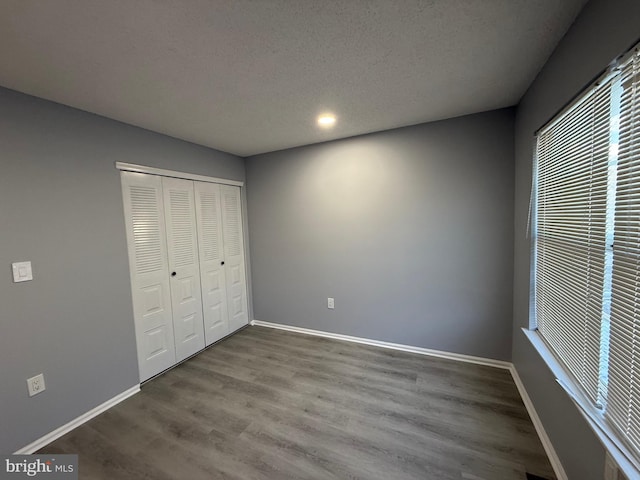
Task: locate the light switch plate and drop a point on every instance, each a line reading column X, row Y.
column 22, row 272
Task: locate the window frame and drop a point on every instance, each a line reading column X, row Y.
column 627, row 459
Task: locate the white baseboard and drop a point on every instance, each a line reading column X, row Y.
column 76, row 422
column 537, row 423
column 393, row 346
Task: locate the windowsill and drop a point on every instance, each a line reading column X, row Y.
column 593, row 417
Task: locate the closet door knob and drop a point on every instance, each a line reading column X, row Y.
column 222, row 262
column 173, row 274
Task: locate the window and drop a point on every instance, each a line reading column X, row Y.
column 587, row 246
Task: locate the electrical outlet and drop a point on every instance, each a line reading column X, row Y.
column 36, row 385
column 331, row 303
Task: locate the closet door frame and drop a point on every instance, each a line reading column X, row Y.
column 130, row 167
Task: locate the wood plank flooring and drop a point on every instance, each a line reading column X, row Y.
column 270, row 404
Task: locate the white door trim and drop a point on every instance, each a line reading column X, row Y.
column 131, row 167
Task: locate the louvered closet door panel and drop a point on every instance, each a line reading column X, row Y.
column 145, row 224
column 212, row 271
column 234, row 257
column 182, row 246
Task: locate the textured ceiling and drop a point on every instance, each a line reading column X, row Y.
column 248, row 77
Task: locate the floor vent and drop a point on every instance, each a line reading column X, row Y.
column 531, row 476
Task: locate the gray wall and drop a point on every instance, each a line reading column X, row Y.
column 603, row 30
column 411, row 230
column 61, row 208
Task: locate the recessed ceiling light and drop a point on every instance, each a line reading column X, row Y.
column 326, row 120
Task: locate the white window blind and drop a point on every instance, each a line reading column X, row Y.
column 587, row 247
column 572, row 168
column 623, row 405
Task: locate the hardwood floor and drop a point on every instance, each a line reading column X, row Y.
column 270, row 404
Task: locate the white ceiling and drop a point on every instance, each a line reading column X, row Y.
column 248, row 77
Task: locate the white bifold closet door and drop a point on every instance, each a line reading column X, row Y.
column 212, row 264
column 182, row 249
column 148, row 265
column 187, row 265
column 236, row 286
